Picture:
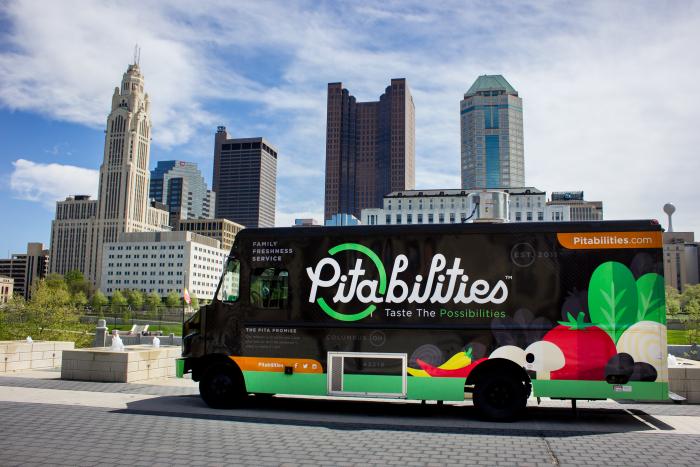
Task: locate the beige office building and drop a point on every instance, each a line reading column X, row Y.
column 6, row 289
column 223, row 230
column 83, row 225
column 681, row 259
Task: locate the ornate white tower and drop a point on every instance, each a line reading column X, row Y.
column 124, row 172
column 123, row 202
column 83, row 225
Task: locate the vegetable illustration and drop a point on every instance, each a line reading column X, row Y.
column 619, row 368
column 644, row 341
column 418, row 373
column 651, row 298
column 543, row 357
column 643, row 372
column 586, row 348
column 510, row 352
column 457, row 373
column 458, row 361
column 612, row 298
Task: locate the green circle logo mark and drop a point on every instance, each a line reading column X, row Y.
column 382, row 283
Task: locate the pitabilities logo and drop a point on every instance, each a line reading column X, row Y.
column 440, row 286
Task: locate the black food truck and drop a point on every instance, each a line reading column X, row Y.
column 492, row 312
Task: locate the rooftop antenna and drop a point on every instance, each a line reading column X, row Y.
column 137, row 54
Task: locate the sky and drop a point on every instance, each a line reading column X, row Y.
column 610, row 92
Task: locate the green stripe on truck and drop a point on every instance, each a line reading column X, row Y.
column 316, row 384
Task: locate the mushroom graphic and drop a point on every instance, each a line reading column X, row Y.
column 510, row 352
column 544, row 357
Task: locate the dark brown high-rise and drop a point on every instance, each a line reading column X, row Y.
column 370, row 148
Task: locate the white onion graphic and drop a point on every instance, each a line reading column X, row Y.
column 645, row 341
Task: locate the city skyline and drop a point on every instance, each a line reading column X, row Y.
column 589, row 118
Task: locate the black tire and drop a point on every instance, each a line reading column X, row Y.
column 222, row 387
column 500, row 397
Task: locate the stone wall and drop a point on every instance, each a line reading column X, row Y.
column 135, row 363
column 20, row 355
column 684, row 379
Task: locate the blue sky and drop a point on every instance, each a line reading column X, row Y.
column 609, row 91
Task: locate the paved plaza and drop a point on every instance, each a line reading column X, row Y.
column 46, row 421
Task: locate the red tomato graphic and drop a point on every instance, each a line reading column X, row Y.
column 586, row 348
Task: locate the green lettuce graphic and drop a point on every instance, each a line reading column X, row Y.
column 651, row 298
column 616, row 301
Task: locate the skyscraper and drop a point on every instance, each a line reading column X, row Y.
column 492, row 135
column 245, row 179
column 180, row 186
column 370, row 148
column 82, row 225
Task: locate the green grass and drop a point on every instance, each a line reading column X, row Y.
column 678, row 337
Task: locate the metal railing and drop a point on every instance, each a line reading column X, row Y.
column 166, row 319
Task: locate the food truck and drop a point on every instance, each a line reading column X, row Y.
column 447, row 312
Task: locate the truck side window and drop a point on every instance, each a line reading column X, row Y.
column 231, row 280
column 269, row 288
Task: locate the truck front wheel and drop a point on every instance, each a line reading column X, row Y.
column 500, row 397
column 222, row 386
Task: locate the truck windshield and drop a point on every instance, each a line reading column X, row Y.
column 230, row 282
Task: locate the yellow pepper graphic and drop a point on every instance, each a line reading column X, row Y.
column 455, row 362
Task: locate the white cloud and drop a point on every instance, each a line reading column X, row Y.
column 609, row 101
column 48, row 183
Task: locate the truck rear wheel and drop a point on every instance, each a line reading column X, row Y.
column 222, row 386
column 500, row 397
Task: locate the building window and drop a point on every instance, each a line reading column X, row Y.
column 420, row 218
column 529, row 216
column 490, row 117
column 540, row 216
column 409, row 218
column 388, row 219
column 493, row 162
column 441, row 218
column 452, row 218
column 517, row 217
column 398, row 218
column 430, row 218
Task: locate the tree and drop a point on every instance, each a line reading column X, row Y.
column 75, row 280
column 80, row 299
column 55, row 282
column 692, row 308
column 99, row 301
column 13, row 316
column 194, row 302
column 152, row 303
column 691, row 292
column 172, row 300
column 673, row 302
column 690, row 305
column 51, row 314
column 119, row 303
column 135, row 299
column 51, row 307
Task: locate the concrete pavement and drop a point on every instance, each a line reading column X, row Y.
column 48, row 421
